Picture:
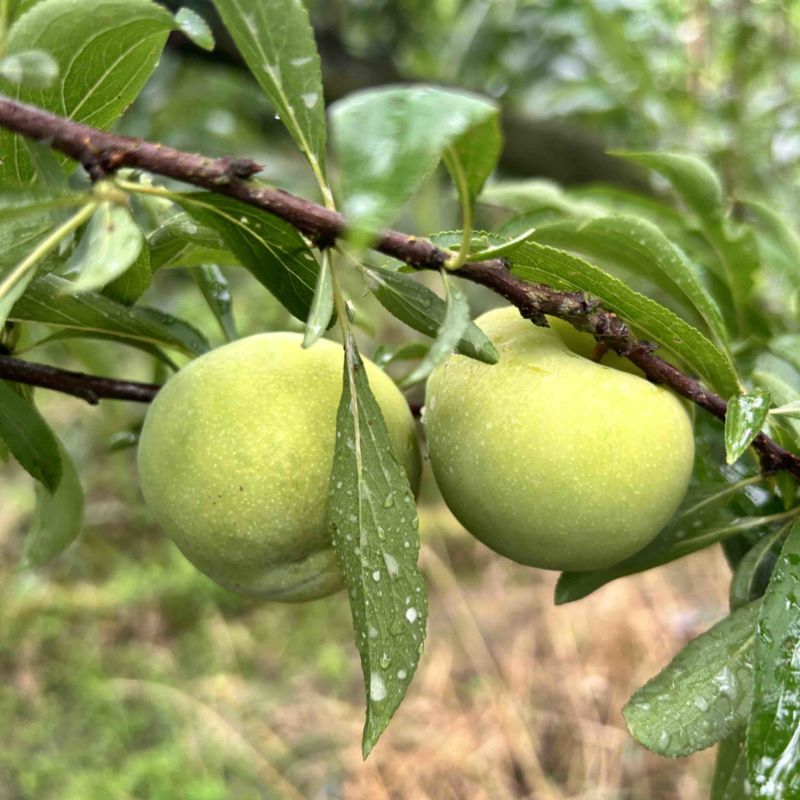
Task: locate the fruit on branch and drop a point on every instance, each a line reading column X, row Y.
column 550, row 458
column 235, row 460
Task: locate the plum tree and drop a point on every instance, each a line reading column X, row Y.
column 235, row 460
column 551, row 458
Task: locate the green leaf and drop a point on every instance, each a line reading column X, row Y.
column 780, row 231
column 321, row 312
column 274, row 252
column 703, row 695
column 105, row 51
column 539, row 264
column 473, row 156
column 424, row 311
column 374, row 529
column 29, row 437
column 697, row 184
column 743, row 422
column 408, row 352
column 195, row 28
column 753, row 571
column 388, row 140
column 536, row 195
column 641, row 247
column 181, row 242
column 133, row 283
column 454, row 325
column 216, row 291
column 730, row 772
column 46, row 301
column 276, row 41
column 30, row 69
column 57, row 519
column 773, row 732
column 680, row 538
column 109, row 246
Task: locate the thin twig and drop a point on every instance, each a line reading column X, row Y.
column 91, row 388
column 102, row 153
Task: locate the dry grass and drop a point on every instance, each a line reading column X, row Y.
column 515, row 698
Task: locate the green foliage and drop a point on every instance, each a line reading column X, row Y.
column 375, row 530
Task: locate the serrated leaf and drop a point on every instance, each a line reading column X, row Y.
column 703, row 695
column 29, row 69
column 105, row 51
column 29, row 438
column 276, row 41
column 109, row 246
column 388, row 140
column 773, row 732
column 321, row 312
column 640, row 246
column 730, row 771
column 424, row 311
column 216, row 291
column 540, row 264
column 697, row 184
column 195, row 28
column 374, row 529
column 271, row 249
column 455, row 323
column 46, row 301
column 743, row 422
column 57, row 519
column 753, row 571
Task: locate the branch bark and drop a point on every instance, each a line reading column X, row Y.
column 91, row 388
column 102, row 153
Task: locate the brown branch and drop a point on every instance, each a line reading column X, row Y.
column 102, row 152
column 90, row 388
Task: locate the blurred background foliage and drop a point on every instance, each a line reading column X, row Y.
column 128, row 674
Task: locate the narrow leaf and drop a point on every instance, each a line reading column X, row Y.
column 29, row 437
column 46, row 301
column 374, row 528
column 110, row 244
column 743, row 422
column 730, row 772
column 133, row 283
column 271, row 249
column 703, row 695
column 321, row 312
column 424, row 311
column 539, row 264
column 216, row 291
column 388, row 140
column 276, row 41
column 641, row 247
column 57, row 519
column 195, row 28
column 455, row 323
column 753, row 572
column 773, row 732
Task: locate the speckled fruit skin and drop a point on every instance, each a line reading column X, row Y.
column 235, row 458
column 550, row 458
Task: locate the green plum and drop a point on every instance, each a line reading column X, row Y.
column 551, row 458
column 235, row 459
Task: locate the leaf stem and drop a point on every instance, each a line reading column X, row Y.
column 45, row 246
column 456, row 170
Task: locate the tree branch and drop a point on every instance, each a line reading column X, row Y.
column 90, row 388
column 102, row 152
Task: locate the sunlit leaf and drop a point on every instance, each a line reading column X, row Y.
column 195, row 28
column 743, row 422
